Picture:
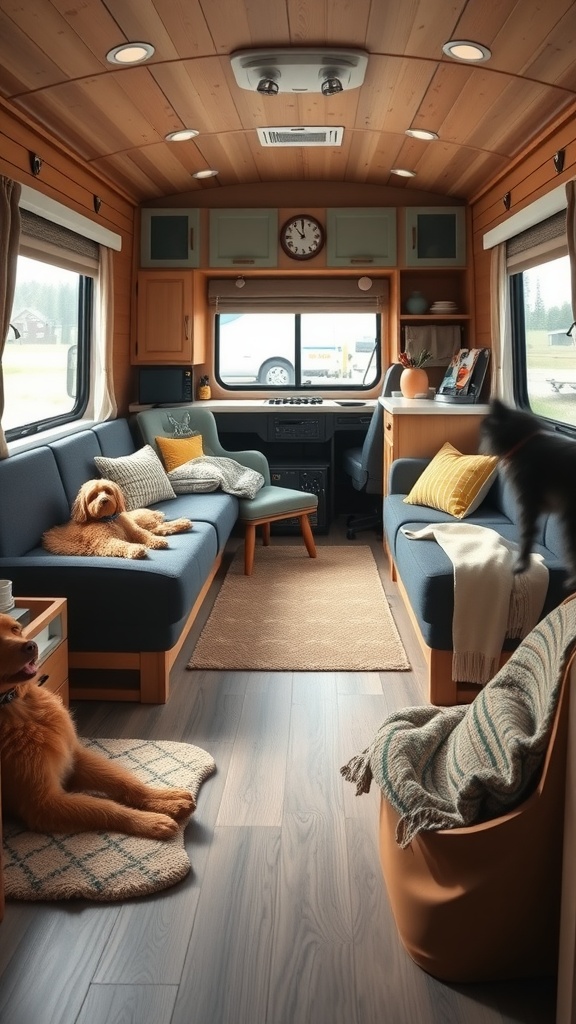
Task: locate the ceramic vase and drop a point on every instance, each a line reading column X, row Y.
column 416, row 303
column 413, row 382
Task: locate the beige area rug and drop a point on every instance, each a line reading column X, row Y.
column 108, row 866
column 303, row 614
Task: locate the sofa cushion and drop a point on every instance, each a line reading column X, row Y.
column 453, row 482
column 75, row 459
column 176, row 451
column 141, row 476
column 33, row 499
column 114, row 438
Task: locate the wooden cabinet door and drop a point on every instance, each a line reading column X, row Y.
column 361, row 237
column 164, row 328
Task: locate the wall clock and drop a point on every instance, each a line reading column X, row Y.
column 302, row 237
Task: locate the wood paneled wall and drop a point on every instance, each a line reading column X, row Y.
column 531, row 176
column 65, row 179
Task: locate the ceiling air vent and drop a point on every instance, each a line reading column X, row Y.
column 300, row 136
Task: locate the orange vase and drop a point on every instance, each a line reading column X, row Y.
column 413, row 382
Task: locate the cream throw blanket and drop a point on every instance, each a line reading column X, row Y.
column 490, row 601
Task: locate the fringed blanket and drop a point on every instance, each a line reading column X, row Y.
column 212, row 473
column 490, row 601
column 451, row 767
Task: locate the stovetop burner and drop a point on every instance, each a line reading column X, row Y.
column 295, row 400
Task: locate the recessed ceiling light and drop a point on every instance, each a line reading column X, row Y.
column 130, row 53
column 182, row 135
column 421, row 133
column 464, row 49
column 403, row 172
column 205, row 174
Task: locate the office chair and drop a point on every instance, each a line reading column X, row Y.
column 365, row 465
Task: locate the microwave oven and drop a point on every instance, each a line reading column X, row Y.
column 164, row 385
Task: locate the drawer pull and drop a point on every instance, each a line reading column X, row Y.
column 43, row 679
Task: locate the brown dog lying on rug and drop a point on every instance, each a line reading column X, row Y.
column 100, row 525
column 49, row 778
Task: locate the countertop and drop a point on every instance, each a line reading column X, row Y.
column 428, row 407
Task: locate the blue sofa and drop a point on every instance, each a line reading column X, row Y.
column 127, row 619
column 425, row 574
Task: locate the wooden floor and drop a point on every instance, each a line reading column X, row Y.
column 284, row 917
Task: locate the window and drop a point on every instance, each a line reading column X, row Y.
column 46, row 360
column 544, row 345
column 296, row 334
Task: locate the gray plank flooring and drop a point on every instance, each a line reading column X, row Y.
column 284, row 917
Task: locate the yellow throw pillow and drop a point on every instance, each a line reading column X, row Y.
column 453, row 482
column 175, row 451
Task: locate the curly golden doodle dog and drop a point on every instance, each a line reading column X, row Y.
column 49, row 779
column 100, row 525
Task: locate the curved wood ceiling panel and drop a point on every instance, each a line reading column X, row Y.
column 53, row 68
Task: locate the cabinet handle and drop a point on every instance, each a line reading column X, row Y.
column 191, row 239
column 187, row 327
column 361, row 259
column 243, row 259
column 413, row 238
column 43, row 679
column 388, row 426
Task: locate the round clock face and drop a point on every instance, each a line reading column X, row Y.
column 302, row 237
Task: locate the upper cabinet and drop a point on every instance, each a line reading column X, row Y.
column 243, row 238
column 435, row 236
column 164, row 324
column 361, row 237
column 169, row 238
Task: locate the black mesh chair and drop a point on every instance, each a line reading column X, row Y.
column 365, row 465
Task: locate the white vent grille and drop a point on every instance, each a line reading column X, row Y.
column 300, row 136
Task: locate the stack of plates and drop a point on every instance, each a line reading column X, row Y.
column 444, row 307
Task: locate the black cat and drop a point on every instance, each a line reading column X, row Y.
column 541, row 467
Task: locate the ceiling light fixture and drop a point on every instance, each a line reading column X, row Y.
column 130, row 53
column 403, row 172
column 331, row 84
column 182, row 135
column 208, row 173
column 464, row 49
column 299, row 70
column 421, row 133
column 268, row 86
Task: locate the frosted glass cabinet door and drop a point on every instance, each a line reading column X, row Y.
column 435, row 236
column 357, row 237
column 169, row 238
column 244, row 238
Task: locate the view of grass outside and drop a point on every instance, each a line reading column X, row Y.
column 550, row 350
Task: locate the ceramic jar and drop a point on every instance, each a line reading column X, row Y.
column 413, row 382
column 416, row 303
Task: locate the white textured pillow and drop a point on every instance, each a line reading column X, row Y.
column 141, row 477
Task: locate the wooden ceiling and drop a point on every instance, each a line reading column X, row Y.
column 53, row 69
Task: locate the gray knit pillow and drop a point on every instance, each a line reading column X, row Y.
column 140, row 476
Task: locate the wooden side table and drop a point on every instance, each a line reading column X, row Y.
column 48, row 626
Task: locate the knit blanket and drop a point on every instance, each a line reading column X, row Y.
column 453, row 767
column 212, row 473
column 491, row 602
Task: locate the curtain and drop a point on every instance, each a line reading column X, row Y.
column 9, row 239
column 104, row 402
column 501, row 382
column 571, row 239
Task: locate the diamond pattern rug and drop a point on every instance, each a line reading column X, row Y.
column 108, row 865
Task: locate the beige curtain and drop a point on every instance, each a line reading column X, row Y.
column 104, row 402
column 571, row 239
column 501, row 383
column 9, row 239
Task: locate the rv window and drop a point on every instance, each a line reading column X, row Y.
column 297, row 350
column 544, row 344
column 46, row 356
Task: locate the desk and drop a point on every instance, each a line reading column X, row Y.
column 305, row 437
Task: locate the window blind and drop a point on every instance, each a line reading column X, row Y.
column 293, row 295
column 538, row 244
column 63, row 247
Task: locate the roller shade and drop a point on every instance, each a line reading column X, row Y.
column 539, row 243
column 294, row 295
